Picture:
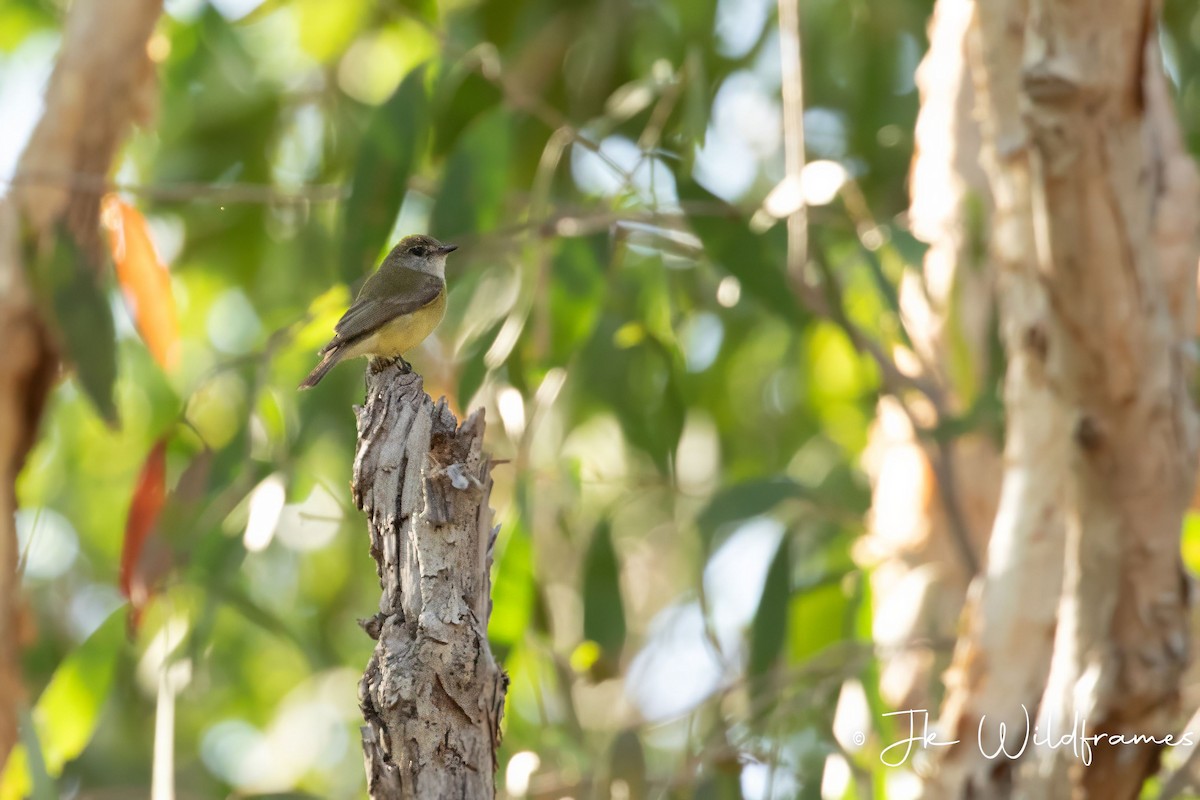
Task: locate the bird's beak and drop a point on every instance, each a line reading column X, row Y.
column 447, row 248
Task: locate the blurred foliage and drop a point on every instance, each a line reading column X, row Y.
column 674, row 595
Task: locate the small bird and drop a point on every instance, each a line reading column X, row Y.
column 396, row 309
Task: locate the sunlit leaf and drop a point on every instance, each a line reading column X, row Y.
column 149, row 497
column 21, row 20
column 1190, row 544
column 427, row 10
column 325, row 29
column 514, row 588
column 83, row 316
column 68, row 709
column 391, row 147
column 23, row 776
column 15, row 780
column 818, row 617
column 144, row 280
column 603, row 609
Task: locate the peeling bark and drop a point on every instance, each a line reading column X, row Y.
column 1003, row 656
column 103, row 81
column 432, row 694
column 919, row 577
column 1083, row 608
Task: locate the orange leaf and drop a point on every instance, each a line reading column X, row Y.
column 144, row 280
column 148, row 500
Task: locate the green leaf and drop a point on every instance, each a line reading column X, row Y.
column 768, row 630
column 603, row 609
column 475, row 180
column 756, row 260
column 818, row 617
column 66, row 714
column 23, row 775
column 43, row 786
column 461, row 97
column 515, row 588
column 577, row 294
column 391, row 148
column 640, row 383
column 742, row 501
column 426, row 10
column 83, row 316
column 1191, row 541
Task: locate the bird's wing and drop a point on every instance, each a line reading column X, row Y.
column 409, row 291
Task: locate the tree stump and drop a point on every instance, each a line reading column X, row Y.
column 432, row 695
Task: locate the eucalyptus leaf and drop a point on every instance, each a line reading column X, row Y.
column 83, row 316
column 769, row 629
column 603, row 608
column 68, row 710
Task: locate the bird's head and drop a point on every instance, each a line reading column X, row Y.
column 422, row 253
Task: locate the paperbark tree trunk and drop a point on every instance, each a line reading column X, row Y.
column 432, row 694
column 1003, row 657
column 1095, row 233
column 919, row 574
column 103, row 82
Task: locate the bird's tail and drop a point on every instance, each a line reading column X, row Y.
column 331, row 357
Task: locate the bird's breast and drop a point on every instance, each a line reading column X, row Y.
column 398, row 336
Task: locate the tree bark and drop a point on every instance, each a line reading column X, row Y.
column 1002, row 659
column 432, row 694
column 919, row 575
column 103, row 81
column 1082, row 612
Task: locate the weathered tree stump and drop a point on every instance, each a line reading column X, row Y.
column 432, row 695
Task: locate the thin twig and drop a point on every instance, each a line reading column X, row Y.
column 185, row 191
column 791, row 69
column 899, row 384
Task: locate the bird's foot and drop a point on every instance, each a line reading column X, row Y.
column 380, row 363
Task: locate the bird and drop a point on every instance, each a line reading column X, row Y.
column 396, row 309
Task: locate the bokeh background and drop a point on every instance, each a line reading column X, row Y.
column 677, row 600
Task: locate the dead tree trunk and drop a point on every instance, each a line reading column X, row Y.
column 432, row 694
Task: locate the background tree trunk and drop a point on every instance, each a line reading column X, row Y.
column 432, row 694
column 920, row 575
column 103, row 82
column 1095, row 234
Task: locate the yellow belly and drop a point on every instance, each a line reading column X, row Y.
column 402, row 334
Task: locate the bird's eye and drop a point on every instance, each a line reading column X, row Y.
column 418, row 251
